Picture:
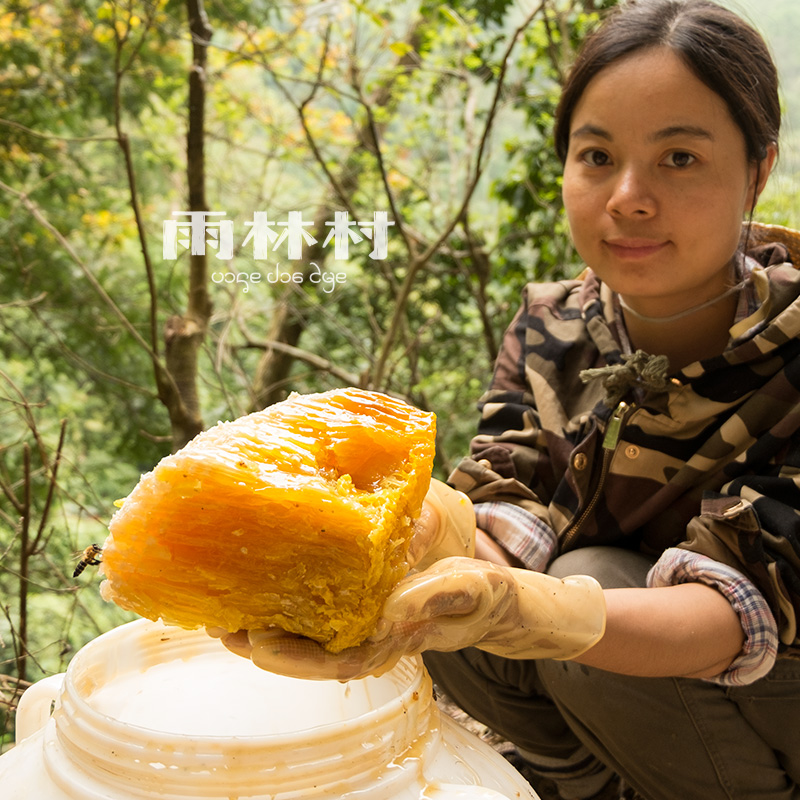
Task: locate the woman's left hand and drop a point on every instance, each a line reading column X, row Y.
column 455, row 603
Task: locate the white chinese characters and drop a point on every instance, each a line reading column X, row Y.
column 203, row 228
column 196, row 232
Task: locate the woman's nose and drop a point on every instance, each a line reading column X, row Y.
column 631, row 195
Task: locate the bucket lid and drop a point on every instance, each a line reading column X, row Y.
column 131, row 697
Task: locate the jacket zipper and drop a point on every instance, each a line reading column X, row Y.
column 610, row 441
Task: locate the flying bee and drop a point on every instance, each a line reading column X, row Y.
column 89, row 558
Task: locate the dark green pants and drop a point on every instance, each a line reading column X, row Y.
column 670, row 738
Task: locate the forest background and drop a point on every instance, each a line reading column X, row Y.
column 116, row 115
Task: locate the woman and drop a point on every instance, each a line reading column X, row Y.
column 641, row 428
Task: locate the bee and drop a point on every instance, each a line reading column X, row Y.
column 89, row 558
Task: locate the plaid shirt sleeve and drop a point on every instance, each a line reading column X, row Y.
column 519, row 532
column 761, row 633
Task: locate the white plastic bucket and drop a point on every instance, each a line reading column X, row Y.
column 148, row 711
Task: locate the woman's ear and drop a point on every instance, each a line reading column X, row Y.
column 759, row 174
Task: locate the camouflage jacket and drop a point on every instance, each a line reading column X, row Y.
column 708, row 461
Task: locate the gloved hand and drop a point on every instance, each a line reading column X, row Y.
column 456, row 603
column 446, row 527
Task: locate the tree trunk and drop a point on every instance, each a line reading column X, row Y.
column 184, row 334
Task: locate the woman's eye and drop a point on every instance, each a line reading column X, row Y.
column 680, row 159
column 595, row 158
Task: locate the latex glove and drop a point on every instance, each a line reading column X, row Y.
column 446, row 527
column 456, row 603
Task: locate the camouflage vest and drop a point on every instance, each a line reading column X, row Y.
column 706, row 458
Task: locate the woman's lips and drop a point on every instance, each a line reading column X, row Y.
column 634, row 248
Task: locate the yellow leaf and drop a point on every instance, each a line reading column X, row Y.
column 102, row 34
column 400, row 48
column 106, row 11
column 397, row 180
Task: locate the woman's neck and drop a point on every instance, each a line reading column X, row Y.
column 700, row 334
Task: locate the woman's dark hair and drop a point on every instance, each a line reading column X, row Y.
column 720, row 48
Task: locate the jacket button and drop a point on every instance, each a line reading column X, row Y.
column 632, row 451
column 580, row 461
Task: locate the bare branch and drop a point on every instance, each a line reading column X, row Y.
column 8, row 491
column 24, row 303
column 145, row 30
column 417, row 263
column 50, row 488
column 340, row 192
column 411, row 350
column 124, row 144
column 378, row 153
column 31, row 132
column 481, row 269
column 552, row 47
column 348, row 378
column 29, row 418
column 24, row 554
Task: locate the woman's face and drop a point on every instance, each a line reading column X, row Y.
column 657, row 183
